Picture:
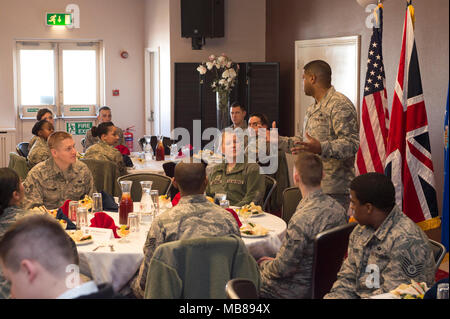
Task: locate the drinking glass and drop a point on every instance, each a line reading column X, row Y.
column 155, row 199
column 133, row 223
column 97, row 205
column 73, row 206
column 173, row 151
column 225, row 203
column 442, row 291
column 218, row 197
column 82, row 218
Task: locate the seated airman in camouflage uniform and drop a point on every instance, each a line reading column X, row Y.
column 194, row 216
column 330, row 130
column 104, row 150
column 241, row 181
column 12, row 194
column 104, row 115
column 61, row 177
column 289, row 274
column 386, row 249
column 42, row 114
column 40, row 151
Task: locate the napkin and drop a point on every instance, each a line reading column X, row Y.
column 102, row 220
column 176, row 199
column 65, row 208
column 127, row 160
column 108, row 202
column 123, row 149
column 60, row 215
column 235, row 216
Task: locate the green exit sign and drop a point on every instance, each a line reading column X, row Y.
column 59, row 19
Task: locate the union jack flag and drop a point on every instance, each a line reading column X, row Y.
column 409, row 163
column 373, row 133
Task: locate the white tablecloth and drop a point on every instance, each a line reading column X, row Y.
column 119, row 266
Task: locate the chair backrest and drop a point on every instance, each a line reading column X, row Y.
column 22, row 149
column 291, row 197
column 330, row 247
column 199, row 268
column 105, row 174
column 271, row 184
column 439, row 252
column 160, row 182
column 169, row 168
column 241, row 289
column 18, row 164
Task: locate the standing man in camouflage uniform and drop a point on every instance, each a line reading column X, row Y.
column 61, row 177
column 330, row 130
column 386, row 249
column 289, row 274
column 193, row 217
column 104, row 115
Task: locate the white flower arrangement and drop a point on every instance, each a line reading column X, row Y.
column 225, row 70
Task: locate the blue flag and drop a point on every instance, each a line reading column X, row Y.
column 445, row 205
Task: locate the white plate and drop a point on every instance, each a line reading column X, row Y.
column 84, row 242
column 253, row 236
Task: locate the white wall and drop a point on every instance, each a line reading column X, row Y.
column 119, row 23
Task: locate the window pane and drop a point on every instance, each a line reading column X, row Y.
column 37, row 77
column 80, row 77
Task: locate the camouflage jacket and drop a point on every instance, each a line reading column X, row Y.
column 38, row 153
column 243, row 185
column 193, row 217
column 47, row 185
column 90, row 140
column 289, row 275
column 31, row 142
column 380, row 260
column 9, row 216
column 333, row 121
column 104, row 152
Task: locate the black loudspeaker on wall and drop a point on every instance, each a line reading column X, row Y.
column 202, row 19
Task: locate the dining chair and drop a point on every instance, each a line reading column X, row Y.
column 439, row 252
column 240, row 288
column 105, row 174
column 22, row 149
column 290, row 199
column 271, row 185
column 18, row 164
column 211, row 261
column 161, row 183
column 330, row 247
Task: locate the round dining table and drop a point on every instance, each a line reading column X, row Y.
column 116, row 261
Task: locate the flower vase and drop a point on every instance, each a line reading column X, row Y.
column 223, row 109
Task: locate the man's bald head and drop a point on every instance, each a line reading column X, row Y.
column 321, row 70
column 190, row 178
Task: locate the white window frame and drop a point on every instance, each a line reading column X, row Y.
column 58, row 46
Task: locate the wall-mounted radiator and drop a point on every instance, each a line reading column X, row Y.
column 7, row 145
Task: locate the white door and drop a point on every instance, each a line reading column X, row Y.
column 342, row 54
column 152, row 93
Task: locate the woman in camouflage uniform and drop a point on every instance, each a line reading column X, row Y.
column 104, row 150
column 40, row 151
column 11, row 195
column 42, row 114
column 240, row 180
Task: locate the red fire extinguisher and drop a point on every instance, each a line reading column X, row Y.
column 128, row 137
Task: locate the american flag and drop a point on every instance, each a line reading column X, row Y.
column 373, row 133
column 409, row 163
